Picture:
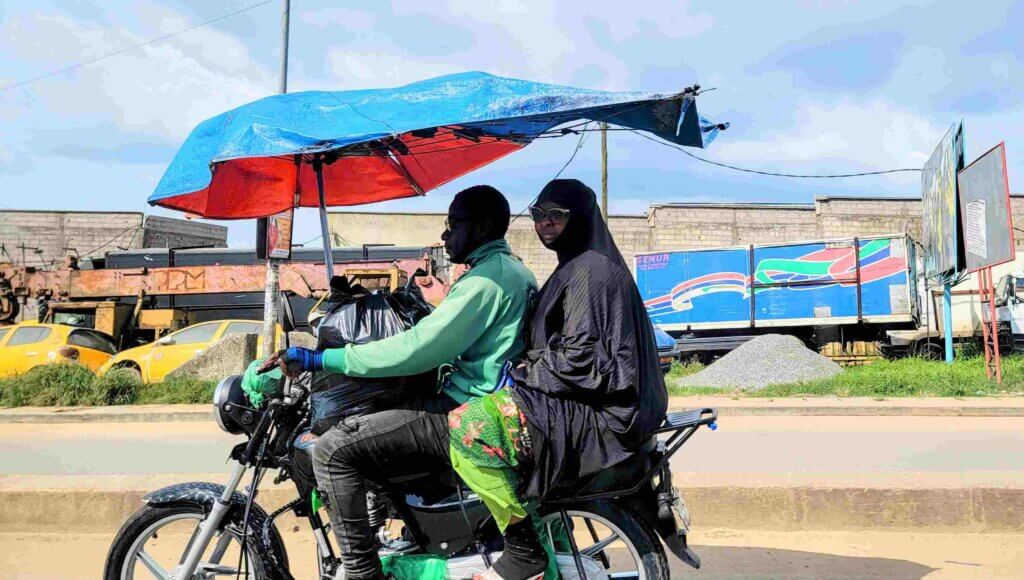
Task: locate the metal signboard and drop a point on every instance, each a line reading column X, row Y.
column 939, row 227
column 279, row 235
column 985, row 207
column 274, row 236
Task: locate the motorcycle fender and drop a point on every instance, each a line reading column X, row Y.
column 203, row 495
column 646, row 504
column 675, row 541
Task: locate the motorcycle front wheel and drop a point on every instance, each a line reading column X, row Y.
column 155, row 540
column 609, row 537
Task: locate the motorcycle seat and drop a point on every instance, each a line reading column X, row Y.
column 621, row 476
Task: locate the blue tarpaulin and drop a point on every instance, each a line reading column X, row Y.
column 382, row 144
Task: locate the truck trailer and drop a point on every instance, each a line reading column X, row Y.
column 840, row 296
column 137, row 295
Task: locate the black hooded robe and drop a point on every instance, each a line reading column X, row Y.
column 592, row 390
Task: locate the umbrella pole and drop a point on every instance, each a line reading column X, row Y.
column 325, row 229
column 272, row 293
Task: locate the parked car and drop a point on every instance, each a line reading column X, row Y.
column 154, row 361
column 668, row 349
column 26, row 345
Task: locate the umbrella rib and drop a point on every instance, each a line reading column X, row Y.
column 415, row 186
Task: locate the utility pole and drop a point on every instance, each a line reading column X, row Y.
column 604, row 171
column 272, row 295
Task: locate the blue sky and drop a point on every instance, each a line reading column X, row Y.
column 824, row 86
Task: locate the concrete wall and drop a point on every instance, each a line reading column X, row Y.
column 675, row 226
column 632, row 234
column 163, row 232
column 52, row 235
column 58, row 234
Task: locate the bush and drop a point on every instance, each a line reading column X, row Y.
column 66, row 384
column 117, row 387
column 177, row 390
column 686, row 367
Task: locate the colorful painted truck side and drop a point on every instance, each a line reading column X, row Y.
column 831, row 293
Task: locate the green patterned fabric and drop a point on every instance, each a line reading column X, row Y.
column 488, row 435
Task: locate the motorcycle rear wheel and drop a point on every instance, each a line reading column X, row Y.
column 130, row 556
column 613, row 534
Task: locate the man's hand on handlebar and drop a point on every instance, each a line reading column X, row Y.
column 294, row 361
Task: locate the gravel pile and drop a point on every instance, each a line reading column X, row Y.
column 770, row 359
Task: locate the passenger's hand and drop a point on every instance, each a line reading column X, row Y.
column 294, row 361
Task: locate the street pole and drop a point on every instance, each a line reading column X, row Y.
column 604, row 171
column 272, row 295
column 947, row 319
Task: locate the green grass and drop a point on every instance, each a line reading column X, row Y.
column 176, row 390
column 909, row 377
column 682, row 369
column 74, row 385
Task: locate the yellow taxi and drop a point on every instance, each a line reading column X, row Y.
column 154, row 361
column 26, row 345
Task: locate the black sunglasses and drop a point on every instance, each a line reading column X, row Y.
column 556, row 214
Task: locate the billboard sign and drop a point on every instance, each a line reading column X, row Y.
column 939, row 226
column 274, row 236
column 985, row 207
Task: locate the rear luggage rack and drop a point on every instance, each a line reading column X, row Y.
column 682, row 425
column 686, row 419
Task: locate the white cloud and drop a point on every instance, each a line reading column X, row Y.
column 1000, row 69
column 922, row 71
column 872, row 135
column 681, row 22
column 333, row 17
column 163, row 89
column 358, row 70
column 543, row 37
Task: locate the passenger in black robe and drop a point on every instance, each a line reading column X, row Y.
column 590, row 390
column 591, row 387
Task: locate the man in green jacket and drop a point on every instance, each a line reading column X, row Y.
column 477, row 327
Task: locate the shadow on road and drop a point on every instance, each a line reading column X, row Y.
column 754, row 562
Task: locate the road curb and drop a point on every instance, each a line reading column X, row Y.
column 99, row 416
column 865, row 411
column 776, row 508
column 830, row 406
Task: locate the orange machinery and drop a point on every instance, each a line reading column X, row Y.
column 118, row 299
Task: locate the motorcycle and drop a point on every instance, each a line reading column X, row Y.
column 619, row 523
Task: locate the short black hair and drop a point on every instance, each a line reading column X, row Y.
column 485, row 202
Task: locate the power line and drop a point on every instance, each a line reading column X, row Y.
column 584, row 135
column 133, row 47
column 112, row 240
column 770, row 173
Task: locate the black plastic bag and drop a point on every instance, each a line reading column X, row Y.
column 358, row 316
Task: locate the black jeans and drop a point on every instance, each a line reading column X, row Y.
column 404, row 441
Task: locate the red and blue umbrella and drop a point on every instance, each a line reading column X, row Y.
column 323, row 148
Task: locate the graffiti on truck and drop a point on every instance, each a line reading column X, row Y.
column 809, row 268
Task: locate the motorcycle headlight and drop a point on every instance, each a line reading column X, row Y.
column 229, row 394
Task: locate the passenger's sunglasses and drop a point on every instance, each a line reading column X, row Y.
column 557, row 215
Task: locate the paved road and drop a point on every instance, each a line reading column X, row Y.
column 834, row 448
column 726, row 554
